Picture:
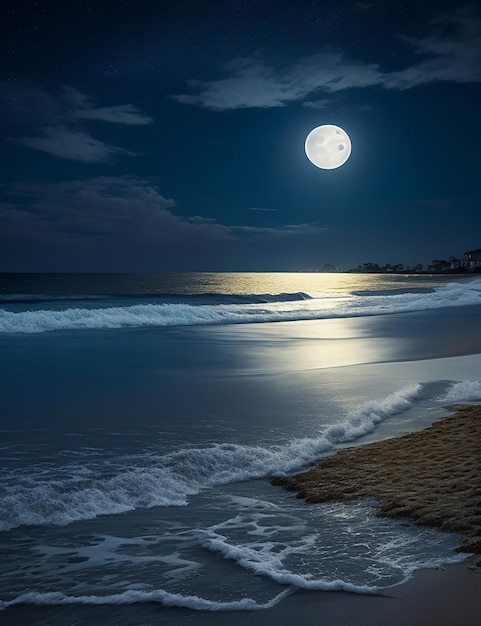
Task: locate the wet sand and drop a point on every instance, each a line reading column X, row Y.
column 432, row 476
column 442, row 597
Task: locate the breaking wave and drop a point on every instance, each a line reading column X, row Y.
column 254, row 298
column 464, row 391
column 220, row 309
column 271, row 567
column 132, row 596
column 71, row 494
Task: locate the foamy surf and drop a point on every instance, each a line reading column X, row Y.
column 130, row 459
column 271, row 566
column 80, row 492
column 132, row 596
column 464, row 391
column 254, row 541
column 275, row 308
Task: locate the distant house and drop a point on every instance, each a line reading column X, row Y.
column 439, row 265
column 454, row 263
column 472, row 260
column 370, row 267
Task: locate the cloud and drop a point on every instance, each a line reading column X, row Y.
column 84, row 107
column 317, row 104
column 297, row 231
column 109, row 223
column 451, row 53
column 104, row 203
column 71, row 144
column 102, row 213
column 255, row 85
column 198, row 219
column 58, row 124
column 122, row 114
column 112, row 206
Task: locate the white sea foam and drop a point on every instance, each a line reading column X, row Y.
column 132, row 596
column 464, row 391
column 365, row 419
column 40, row 500
column 323, row 540
column 181, row 314
column 169, row 479
column 267, row 564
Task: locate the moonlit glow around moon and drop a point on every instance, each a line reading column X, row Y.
column 328, row 146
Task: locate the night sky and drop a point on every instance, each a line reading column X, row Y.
column 169, row 135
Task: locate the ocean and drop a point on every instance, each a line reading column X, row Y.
column 142, row 417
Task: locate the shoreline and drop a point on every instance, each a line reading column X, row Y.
column 232, row 367
column 440, row 596
column 432, row 461
column 443, row 596
column 432, row 597
column 432, row 476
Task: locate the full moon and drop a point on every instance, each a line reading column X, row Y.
column 328, row 146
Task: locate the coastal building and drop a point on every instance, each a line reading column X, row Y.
column 439, row 265
column 370, row 267
column 472, row 260
column 454, row 263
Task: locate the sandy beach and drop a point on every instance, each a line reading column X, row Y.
column 432, row 476
column 442, row 597
column 139, row 461
column 427, row 475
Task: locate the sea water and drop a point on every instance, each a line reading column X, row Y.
column 142, row 417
